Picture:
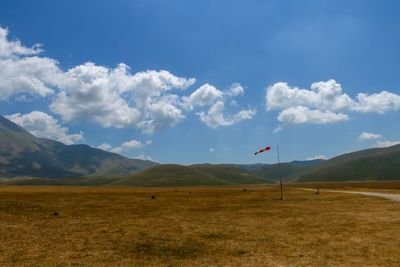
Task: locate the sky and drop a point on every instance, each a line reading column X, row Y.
column 204, row 81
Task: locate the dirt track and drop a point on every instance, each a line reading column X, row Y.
column 394, row 197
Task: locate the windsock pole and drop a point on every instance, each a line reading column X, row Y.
column 279, row 163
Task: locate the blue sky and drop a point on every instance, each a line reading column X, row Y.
column 204, row 81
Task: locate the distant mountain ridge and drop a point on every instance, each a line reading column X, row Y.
column 23, row 154
column 198, row 174
column 286, row 170
column 368, row 164
column 161, row 175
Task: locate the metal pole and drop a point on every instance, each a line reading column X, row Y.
column 279, row 163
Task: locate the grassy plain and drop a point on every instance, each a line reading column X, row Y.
column 195, row 226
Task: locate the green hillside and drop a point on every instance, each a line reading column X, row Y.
column 369, row 164
column 275, row 172
column 178, row 175
column 22, row 154
column 230, row 175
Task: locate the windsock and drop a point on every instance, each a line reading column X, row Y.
column 262, row 150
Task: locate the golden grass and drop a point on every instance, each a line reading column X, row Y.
column 222, row 226
column 381, row 186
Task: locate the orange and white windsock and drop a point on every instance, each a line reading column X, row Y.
column 262, row 150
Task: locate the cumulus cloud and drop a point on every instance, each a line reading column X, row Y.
column 381, row 140
column 22, row 72
column 386, row 143
column 322, row 95
column 316, row 157
column 124, row 147
column 300, row 114
column 324, row 102
column 30, row 76
column 236, row 89
column 214, row 99
column 215, row 117
column 105, row 147
column 43, row 125
column 14, row 48
column 162, row 113
column 112, row 97
column 203, row 96
column 144, row 157
column 117, row 98
column 379, row 102
column 369, row 136
column 127, row 146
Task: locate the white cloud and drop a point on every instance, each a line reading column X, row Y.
column 235, row 90
column 300, row 114
column 111, row 97
column 30, row 76
column 22, row 72
column 369, row 136
column 386, row 143
column 215, row 117
column 105, row 147
column 325, row 100
column 43, row 125
column 124, row 147
column 379, row 103
column 116, row 98
column 14, row 48
column 128, row 146
column 365, row 136
column 211, row 150
column 322, row 95
column 144, row 157
column 204, row 96
column 278, row 129
column 316, row 157
column 162, row 113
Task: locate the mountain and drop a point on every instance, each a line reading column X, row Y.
column 363, row 165
column 23, row 154
column 275, row 172
column 178, row 175
column 161, row 175
column 306, row 163
column 369, row 164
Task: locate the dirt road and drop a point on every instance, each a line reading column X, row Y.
column 394, row 197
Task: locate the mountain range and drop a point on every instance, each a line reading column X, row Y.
column 368, row 164
column 31, row 160
column 23, row 154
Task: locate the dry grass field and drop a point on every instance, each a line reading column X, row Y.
column 220, row 226
column 375, row 186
